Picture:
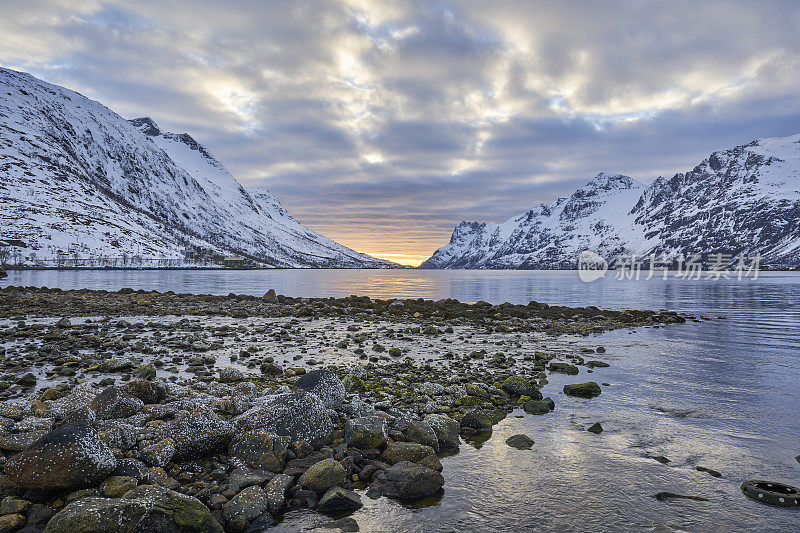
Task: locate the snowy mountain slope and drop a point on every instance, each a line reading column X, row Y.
column 77, row 179
column 745, row 200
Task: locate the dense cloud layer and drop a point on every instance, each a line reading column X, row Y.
column 383, row 124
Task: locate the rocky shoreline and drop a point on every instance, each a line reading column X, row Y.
column 145, row 411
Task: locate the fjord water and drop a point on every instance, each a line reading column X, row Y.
column 720, row 393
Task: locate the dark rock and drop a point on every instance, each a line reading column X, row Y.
column 70, row 456
column 708, row 471
column 421, row 432
column 260, row 449
column 520, row 442
column 299, row 416
column 589, row 389
column 115, row 403
column 671, row 495
column 275, row 491
column 408, row 481
column 519, row 386
column 563, row 368
column 145, row 509
column 196, row 434
column 478, row 418
column 366, row 432
column 26, row 380
column 245, row 507
column 339, row 499
column 147, row 391
column 446, row 430
column 398, row 452
column 131, row 468
column 596, row 428
column 323, row 475
column 539, row 407
column 325, row 385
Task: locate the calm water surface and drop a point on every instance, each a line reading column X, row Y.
column 723, row 393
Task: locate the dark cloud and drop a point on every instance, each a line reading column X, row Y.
column 384, row 123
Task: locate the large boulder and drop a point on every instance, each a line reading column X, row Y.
column 421, row 432
column 196, row 434
column 398, row 452
column 325, row 384
column 539, row 407
column 323, row 475
column 446, row 430
column 142, row 510
column 299, row 416
column 260, row 449
column 366, row 432
column 590, row 389
column 71, row 456
column 115, row 403
column 408, row 481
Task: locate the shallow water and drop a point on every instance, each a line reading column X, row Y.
column 721, row 393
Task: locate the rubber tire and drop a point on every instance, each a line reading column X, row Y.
column 772, row 493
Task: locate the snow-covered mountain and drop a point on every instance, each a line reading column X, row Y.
column 742, row 201
column 78, row 180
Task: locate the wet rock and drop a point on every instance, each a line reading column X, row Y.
column 596, row 428
column 270, row 296
column 130, row 468
column 589, row 389
column 479, row 419
column 323, row 475
column 708, row 471
column 159, row 453
column 421, row 432
column 325, row 385
column 520, row 442
column 12, row 505
column 299, row 416
column 16, row 442
column 672, row 496
column 519, row 386
column 11, row 522
column 197, row 434
column 261, row 523
column 145, row 509
column 116, row 364
column 539, row 407
column 148, row 392
column 563, row 368
column 115, row 403
column 408, row 481
column 398, row 452
column 446, row 430
column 245, row 507
column 339, row 499
column 70, row 456
column 260, row 449
column 231, row 375
column 345, row 525
column 275, row 491
column 116, row 486
column 366, row 432
column 26, row 380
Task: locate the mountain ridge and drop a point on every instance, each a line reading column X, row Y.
column 79, row 180
column 740, row 201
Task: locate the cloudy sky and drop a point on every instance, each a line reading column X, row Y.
column 383, row 124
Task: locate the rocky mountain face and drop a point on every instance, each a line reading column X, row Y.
column 743, row 201
column 77, row 180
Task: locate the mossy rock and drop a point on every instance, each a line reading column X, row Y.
column 590, row 389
